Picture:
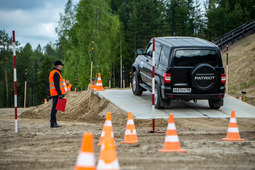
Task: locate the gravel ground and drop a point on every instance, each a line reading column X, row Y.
column 36, row 146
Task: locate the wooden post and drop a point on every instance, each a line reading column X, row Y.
column 91, row 66
column 227, row 75
column 6, row 78
column 75, row 80
column 120, row 65
column 25, row 90
column 123, row 78
column 110, row 77
column 97, row 72
column 130, row 79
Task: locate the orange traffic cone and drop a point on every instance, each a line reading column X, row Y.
column 172, row 143
column 86, row 158
column 65, row 86
column 130, row 133
column 108, row 157
column 107, row 125
column 45, row 101
column 233, row 132
column 99, row 85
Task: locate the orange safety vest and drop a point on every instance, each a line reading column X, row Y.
column 69, row 87
column 53, row 91
column 92, row 86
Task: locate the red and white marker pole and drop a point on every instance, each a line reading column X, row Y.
column 153, row 86
column 15, row 81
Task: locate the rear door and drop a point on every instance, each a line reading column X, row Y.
column 183, row 64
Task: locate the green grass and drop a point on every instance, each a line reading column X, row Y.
column 246, row 44
column 243, row 85
column 251, row 82
column 247, row 84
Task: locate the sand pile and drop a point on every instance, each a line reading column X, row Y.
column 82, row 106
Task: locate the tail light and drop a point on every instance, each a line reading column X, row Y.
column 167, row 77
column 223, row 78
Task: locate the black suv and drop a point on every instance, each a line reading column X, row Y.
column 186, row 68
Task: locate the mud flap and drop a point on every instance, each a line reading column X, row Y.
column 218, row 103
column 166, row 102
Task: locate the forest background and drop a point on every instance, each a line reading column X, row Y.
column 118, row 28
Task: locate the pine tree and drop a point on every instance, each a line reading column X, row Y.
column 24, row 62
column 7, row 61
column 198, row 21
column 43, row 80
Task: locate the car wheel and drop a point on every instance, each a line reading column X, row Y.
column 157, row 97
column 136, row 88
column 213, row 104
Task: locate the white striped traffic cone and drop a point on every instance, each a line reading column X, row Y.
column 99, row 85
column 107, row 125
column 65, row 86
column 86, row 158
column 130, row 133
column 172, row 143
column 233, row 132
column 108, row 157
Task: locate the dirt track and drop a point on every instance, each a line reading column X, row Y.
column 37, row 146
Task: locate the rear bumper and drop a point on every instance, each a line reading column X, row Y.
column 167, row 93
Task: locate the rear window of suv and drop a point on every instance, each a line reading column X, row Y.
column 194, row 57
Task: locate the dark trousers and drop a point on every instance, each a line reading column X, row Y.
column 53, row 110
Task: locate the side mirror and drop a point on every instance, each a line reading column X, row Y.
column 149, row 53
column 139, row 52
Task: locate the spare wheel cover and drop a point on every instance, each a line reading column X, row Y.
column 203, row 77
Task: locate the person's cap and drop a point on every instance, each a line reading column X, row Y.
column 58, row 62
column 93, row 79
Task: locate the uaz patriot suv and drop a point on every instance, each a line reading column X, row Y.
column 186, row 69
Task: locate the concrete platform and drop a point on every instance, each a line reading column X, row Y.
column 141, row 107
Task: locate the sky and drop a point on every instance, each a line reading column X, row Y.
column 34, row 21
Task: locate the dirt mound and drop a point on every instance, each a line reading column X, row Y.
column 82, row 106
column 241, row 68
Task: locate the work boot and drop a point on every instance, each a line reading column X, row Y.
column 54, row 125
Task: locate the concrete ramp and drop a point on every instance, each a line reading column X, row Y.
column 141, row 106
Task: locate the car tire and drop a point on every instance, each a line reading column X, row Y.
column 158, row 99
column 212, row 104
column 136, row 88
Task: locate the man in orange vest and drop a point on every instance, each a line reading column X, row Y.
column 92, row 85
column 69, row 86
column 57, row 91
